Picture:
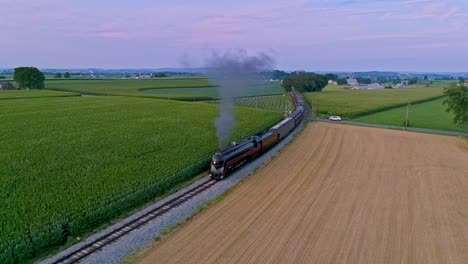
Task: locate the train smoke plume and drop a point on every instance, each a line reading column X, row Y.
column 234, row 72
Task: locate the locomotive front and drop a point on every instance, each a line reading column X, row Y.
column 217, row 166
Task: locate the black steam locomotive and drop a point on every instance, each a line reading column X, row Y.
column 233, row 157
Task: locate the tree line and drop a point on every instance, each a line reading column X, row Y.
column 303, row 81
column 60, row 75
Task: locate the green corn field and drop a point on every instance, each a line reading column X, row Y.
column 68, row 165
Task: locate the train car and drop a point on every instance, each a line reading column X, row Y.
column 283, row 128
column 298, row 115
column 297, row 99
column 234, row 156
column 268, row 140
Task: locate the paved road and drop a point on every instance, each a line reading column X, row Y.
column 415, row 129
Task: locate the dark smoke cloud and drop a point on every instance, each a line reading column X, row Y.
column 234, row 72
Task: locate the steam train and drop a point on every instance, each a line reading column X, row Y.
column 235, row 156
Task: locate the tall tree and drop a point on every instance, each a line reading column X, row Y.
column 396, row 80
column 58, row 75
column 331, row 76
column 305, row 82
column 278, row 75
column 457, row 103
column 364, row 80
column 66, row 75
column 341, row 81
column 412, row 81
column 29, row 78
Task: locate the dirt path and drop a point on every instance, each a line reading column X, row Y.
column 338, row 194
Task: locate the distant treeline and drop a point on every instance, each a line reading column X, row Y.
column 304, row 81
column 81, row 75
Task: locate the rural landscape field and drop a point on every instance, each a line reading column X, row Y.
column 338, row 194
column 339, row 100
column 233, row 132
column 431, row 114
column 90, row 159
column 187, row 89
column 93, row 150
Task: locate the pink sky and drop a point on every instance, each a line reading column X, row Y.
column 414, row 35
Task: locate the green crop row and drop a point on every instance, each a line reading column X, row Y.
column 349, row 103
column 278, row 103
column 431, row 114
column 186, row 89
column 15, row 94
column 69, row 164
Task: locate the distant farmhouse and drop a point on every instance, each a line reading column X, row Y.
column 371, row 86
column 355, row 84
column 401, row 85
column 7, row 86
column 352, row 82
column 331, row 82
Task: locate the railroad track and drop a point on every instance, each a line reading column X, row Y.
column 107, row 239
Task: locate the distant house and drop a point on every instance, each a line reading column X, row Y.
column 374, row 86
column 400, row 85
column 352, row 82
column 331, row 82
column 143, row 77
column 7, row 86
column 371, row 86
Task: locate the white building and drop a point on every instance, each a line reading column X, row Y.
column 371, row 86
column 400, row 85
column 352, row 82
column 374, row 86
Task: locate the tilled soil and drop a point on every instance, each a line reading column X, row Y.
column 338, row 194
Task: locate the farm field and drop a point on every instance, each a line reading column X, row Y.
column 430, row 114
column 208, row 92
column 278, row 103
column 128, row 87
column 188, row 89
column 338, row 194
column 348, row 103
column 69, row 164
column 13, row 94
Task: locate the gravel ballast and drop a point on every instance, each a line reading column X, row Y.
column 145, row 235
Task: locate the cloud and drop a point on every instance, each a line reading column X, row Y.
column 317, row 27
column 429, row 46
column 423, row 10
column 450, row 13
column 405, row 35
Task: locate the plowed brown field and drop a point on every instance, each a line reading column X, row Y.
column 338, row 194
